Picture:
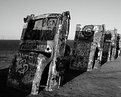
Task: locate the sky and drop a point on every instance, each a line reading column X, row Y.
column 83, row 12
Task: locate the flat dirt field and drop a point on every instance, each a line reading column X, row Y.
column 103, row 82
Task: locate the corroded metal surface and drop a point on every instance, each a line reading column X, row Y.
column 82, row 45
column 114, row 44
column 22, row 69
column 43, row 41
column 106, row 47
column 88, row 44
column 96, row 47
column 81, row 56
column 110, row 46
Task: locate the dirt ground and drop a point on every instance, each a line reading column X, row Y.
column 104, row 82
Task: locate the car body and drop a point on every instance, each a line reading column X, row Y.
column 43, row 42
column 87, row 47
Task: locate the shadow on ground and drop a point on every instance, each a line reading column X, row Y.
column 10, row 92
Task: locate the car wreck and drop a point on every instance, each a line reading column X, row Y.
column 110, row 46
column 37, row 64
column 44, row 55
column 114, row 44
column 87, row 47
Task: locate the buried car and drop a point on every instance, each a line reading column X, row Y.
column 42, row 46
column 88, row 45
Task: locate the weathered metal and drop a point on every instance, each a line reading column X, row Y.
column 97, row 47
column 118, row 45
column 43, row 41
column 111, row 45
column 87, row 47
column 114, row 44
column 106, row 47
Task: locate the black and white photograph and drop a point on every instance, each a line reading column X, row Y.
column 60, row 48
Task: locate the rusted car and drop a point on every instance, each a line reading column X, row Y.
column 38, row 61
column 117, row 45
column 110, row 46
column 114, row 44
column 87, row 47
column 106, row 47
